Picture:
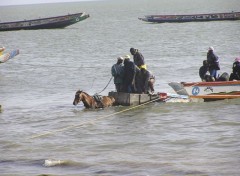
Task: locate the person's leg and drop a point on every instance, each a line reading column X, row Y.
column 213, row 73
column 117, row 87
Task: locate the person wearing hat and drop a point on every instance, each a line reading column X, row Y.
column 118, row 74
column 235, row 75
column 138, row 58
column 213, row 62
column 148, row 81
column 129, row 75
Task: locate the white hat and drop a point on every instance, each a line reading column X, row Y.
column 210, row 48
column 127, row 57
column 120, row 58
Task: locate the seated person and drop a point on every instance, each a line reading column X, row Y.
column 204, row 72
column 235, row 75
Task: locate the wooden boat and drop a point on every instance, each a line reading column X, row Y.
column 208, row 91
column 132, row 99
column 191, row 18
column 44, row 23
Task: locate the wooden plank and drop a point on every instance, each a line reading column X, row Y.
column 130, row 99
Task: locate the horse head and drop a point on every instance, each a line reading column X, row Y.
column 78, row 97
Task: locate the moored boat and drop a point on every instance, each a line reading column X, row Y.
column 191, row 17
column 44, row 23
column 208, row 90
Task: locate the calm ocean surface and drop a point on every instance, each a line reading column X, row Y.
column 173, row 139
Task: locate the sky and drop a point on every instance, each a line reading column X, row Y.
column 20, row 2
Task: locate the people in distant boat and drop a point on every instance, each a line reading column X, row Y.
column 148, row 81
column 129, row 75
column 2, row 50
column 138, row 58
column 235, row 75
column 204, row 72
column 213, row 62
column 118, row 74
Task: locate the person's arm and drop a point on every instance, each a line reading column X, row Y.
column 113, row 70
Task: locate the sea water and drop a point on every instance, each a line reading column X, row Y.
column 41, row 132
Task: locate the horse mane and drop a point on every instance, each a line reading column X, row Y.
column 81, row 91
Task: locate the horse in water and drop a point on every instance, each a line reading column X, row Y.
column 93, row 101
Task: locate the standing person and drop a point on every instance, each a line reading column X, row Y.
column 235, row 75
column 138, row 58
column 213, row 62
column 138, row 81
column 118, row 74
column 148, row 81
column 129, row 75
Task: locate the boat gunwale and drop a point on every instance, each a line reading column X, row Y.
column 204, row 14
column 217, row 83
column 215, row 96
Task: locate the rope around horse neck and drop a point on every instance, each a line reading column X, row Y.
column 88, row 122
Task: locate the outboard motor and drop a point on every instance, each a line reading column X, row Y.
column 224, row 77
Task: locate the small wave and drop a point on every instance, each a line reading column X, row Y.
column 52, row 162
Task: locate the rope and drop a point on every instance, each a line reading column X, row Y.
column 106, row 85
column 89, row 122
column 55, row 66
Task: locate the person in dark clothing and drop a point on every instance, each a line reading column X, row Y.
column 138, row 58
column 138, row 86
column 213, row 62
column 235, row 75
column 203, row 70
column 118, row 73
column 224, row 77
column 148, row 81
column 129, row 75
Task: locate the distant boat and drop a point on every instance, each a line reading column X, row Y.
column 208, row 91
column 44, row 23
column 191, row 18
